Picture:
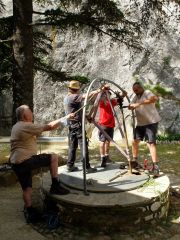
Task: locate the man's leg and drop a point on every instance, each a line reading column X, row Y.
column 153, row 152
column 139, row 134
column 27, row 197
column 56, row 187
column 25, row 178
column 102, row 148
column 110, row 132
column 80, row 142
column 107, row 147
column 89, row 169
column 73, row 145
column 32, row 215
column 24, row 175
column 151, row 131
column 135, row 152
column 54, row 166
column 135, row 148
column 39, row 161
column 107, row 144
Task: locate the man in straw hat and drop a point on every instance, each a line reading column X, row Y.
column 72, row 103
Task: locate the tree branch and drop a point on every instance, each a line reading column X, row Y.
column 6, row 40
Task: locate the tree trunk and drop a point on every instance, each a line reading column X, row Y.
column 23, row 54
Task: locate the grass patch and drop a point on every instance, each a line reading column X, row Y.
column 4, row 153
column 169, row 154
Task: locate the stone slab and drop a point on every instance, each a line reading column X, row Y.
column 139, row 196
column 100, row 181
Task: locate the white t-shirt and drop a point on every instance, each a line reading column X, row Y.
column 23, row 141
column 146, row 113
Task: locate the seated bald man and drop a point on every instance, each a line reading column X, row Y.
column 24, row 156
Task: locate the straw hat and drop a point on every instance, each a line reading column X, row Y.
column 74, row 84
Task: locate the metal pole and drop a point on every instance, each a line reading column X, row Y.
column 84, row 137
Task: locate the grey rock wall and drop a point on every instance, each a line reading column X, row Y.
column 87, row 55
column 83, row 54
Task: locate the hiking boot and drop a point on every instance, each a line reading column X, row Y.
column 154, row 171
column 103, row 162
column 135, row 165
column 58, row 189
column 32, row 215
column 108, row 160
column 91, row 170
column 72, row 168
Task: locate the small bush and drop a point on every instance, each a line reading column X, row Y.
column 168, row 137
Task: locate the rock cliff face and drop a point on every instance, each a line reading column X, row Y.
column 87, row 55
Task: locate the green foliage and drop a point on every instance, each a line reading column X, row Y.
column 168, row 137
column 4, row 150
column 167, row 60
column 162, row 91
column 159, row 90
column 81, row 79
column 42, row 47
column 100, row 16
column 6, row 59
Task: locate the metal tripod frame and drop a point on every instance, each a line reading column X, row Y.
column 93, row 111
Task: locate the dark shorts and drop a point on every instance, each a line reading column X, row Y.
column 147, row 132
column 109, row 131
column 24, row 169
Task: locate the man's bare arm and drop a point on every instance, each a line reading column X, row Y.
column 56, row 123
column 152, row 99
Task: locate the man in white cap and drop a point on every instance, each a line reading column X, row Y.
column 72, row 103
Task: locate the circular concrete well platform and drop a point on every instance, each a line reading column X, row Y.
column 102, row 180
column 128, row 200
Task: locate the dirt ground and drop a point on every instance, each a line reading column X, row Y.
column 14, row 227
column 12, row 223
